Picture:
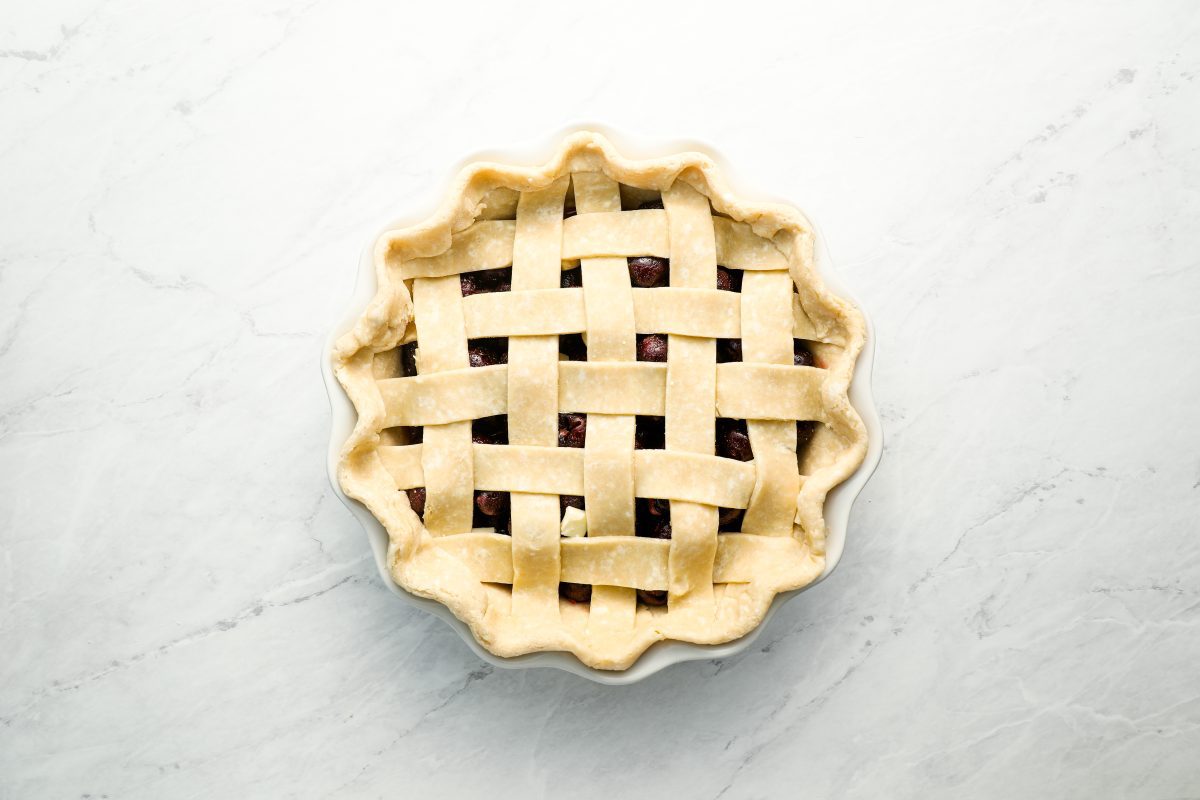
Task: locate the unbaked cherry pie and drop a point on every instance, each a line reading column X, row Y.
column 601, row 402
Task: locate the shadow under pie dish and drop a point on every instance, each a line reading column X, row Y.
column 600, row 404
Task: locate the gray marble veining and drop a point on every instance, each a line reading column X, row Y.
column 187, row 611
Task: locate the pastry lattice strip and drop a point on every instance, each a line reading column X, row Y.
column 743, row 391
column 623, row 561
column 608, row 457
column 489, row 244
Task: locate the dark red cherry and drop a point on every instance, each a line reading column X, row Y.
column 652, row 597
column 729, row 280
column 416, row 501
column 733, row 441
column 408, row 358
column 571, row 278
column 803, row 356
column 804, row 433
column 652, row 347
column 731, row 520
column 647, row 272
column 490, row 430
column 729, row 350
column 649, row 433
column 572, row 346
column 491, row 503
column 572, row 430
column 657, row 507
column 487, row 352
column 485, row 280
column 575, row 592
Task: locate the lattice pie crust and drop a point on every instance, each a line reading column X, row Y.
column 718, row 585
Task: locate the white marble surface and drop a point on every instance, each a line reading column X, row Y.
column 186, row 610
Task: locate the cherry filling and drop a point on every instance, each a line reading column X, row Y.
column 487, row 352
column 491, row 507
column 729, row 280
column 414, row 434
column 486, row 280
column 652, row 515
column 572, row 432
column 651, row 347
column 652, row 597
column 416, row 500
column 729, row 350
column 648, row 272
column 571, row 278
column 652, row 521
column 408, row 359
column 804, row 433
column 649, row 433
column 491, row 504
column 575, row 592
column 801, row 355
column 730, row 519
column 733, row 440
column 490, row 430
column 652, row 518
column 572, row 346
column 657, row 507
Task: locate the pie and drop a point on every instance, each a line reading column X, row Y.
column 600, row 404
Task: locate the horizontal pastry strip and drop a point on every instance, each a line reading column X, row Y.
column 744, row 391
column 634, row 562
column 528, row 468
column 488, row 244
column 769, row 391
column 612, row 387
column 693, row 477
column 690, row 312
column 442, row 397
column 533, row 312
column 559, row 470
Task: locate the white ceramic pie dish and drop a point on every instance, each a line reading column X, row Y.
column 663, row 654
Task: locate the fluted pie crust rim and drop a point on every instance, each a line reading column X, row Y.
column 720, row 588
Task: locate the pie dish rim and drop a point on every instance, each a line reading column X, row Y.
column 662, row 654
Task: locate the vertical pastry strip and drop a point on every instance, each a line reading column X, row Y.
column 447, row 461
column 608, row 448
column 533, row 404
column 767, row 339
column 691, row 399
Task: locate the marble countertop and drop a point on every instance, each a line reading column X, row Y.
column 187, row 611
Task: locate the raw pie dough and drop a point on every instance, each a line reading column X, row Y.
column 506, row 587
